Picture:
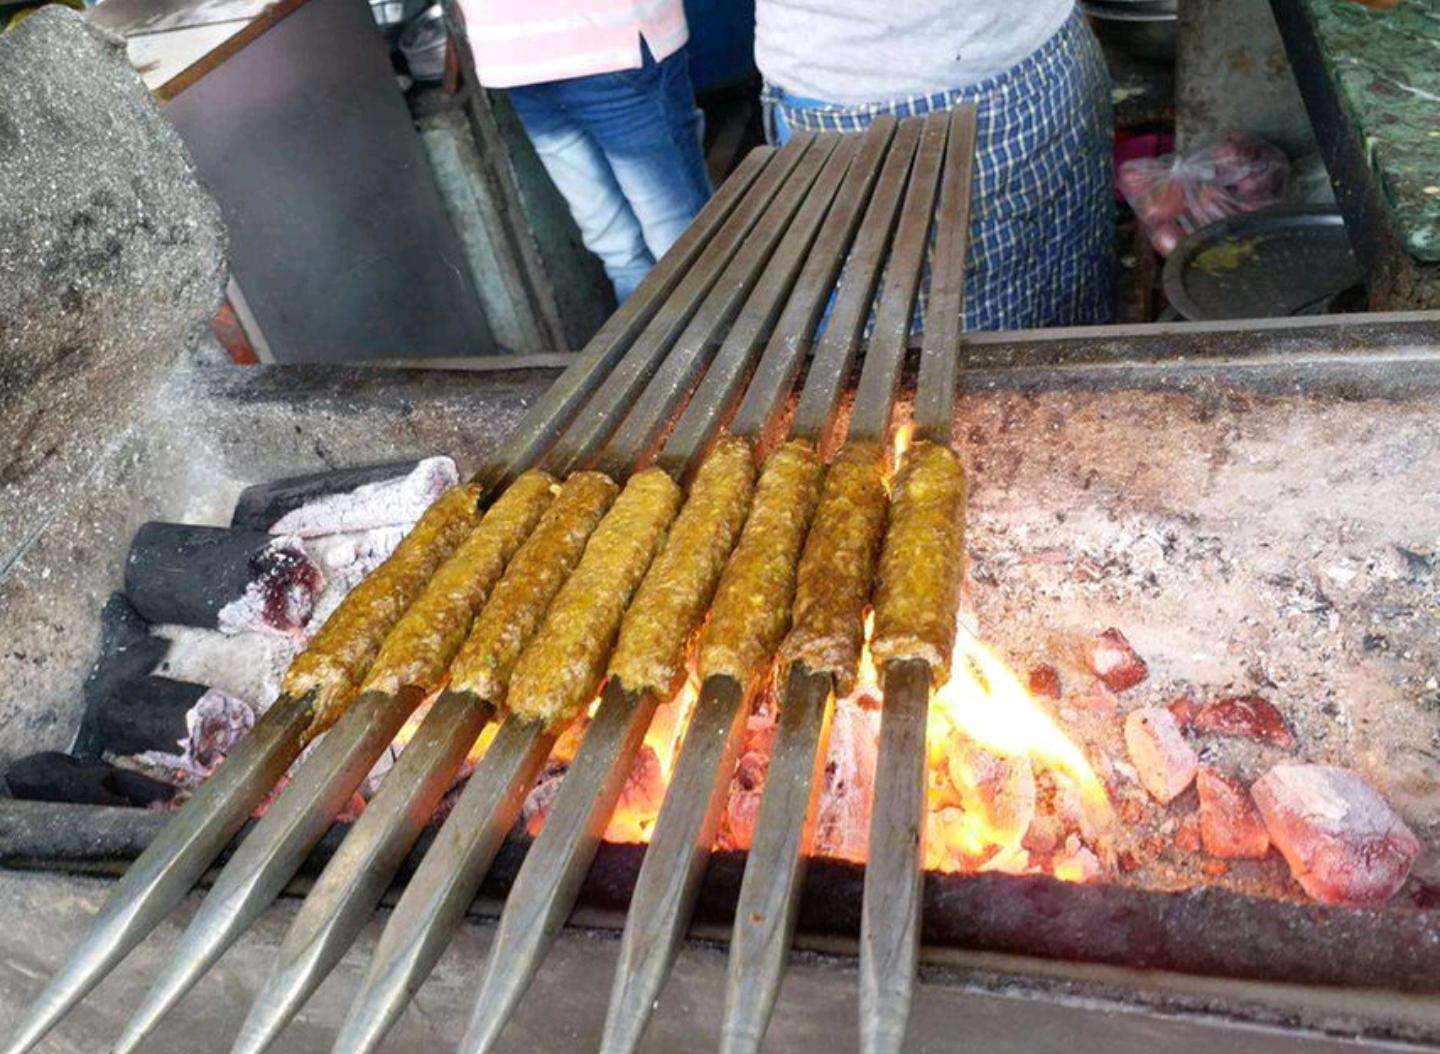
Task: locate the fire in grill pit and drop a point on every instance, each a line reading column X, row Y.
column 1083, row 776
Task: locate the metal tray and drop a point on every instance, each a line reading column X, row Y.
column 1266, row 264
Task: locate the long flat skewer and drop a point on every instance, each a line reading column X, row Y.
column 669, row 880
column 270, row 857
column 340, row 904
column 550, row 879
column 436, row 897
column 774, row 871
column 890, row 914
column 626, row 383
column 174, row 862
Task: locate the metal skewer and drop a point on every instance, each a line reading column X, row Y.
column 447, row 880
column 274, row 851
column 774, row 872
column 669, row 880
column 174, row 862
column 549, row 881
column 894, row 872
column 353, row 883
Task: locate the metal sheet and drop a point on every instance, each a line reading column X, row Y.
column 337, row 233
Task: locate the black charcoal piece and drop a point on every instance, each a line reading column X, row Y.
column 145, row 713
column 52, row 776
column 181, row 573
column 264, row 503
column 127, row 650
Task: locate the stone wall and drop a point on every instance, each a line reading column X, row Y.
column 111, row 259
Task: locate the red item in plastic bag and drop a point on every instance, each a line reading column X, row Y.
column 1178, row 194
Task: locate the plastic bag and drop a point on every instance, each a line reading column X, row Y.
column 1177, row 194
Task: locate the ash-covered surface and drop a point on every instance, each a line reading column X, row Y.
column 1287, row 547
column 198, row 439
column 111, row 257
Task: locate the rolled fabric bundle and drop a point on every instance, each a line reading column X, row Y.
column 751, row 610
column 519, row 602
column 922, row 563
column 671, row 601
column 346, row 645
column 559, row 670
column 419, row 649
column 832, row 584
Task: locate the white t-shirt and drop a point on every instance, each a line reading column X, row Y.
column 854, row 52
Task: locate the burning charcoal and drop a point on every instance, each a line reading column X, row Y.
column 212, row 577
column 1343, row 842
column 51, row 776
column 1187, row 835
column 639, row 803
column 1248, row 716
column 1184, row 710
column 127, row 650
column 945, row 831
column 1230, row 825
column 542, row 795
column 737, row 823
column 282, row 598
column 258, row 507
column 1165, row 762
column 1045, row 682
column 998, row 794
column 1111, row 658
column 145, row 713
column 1076, row 863
column 213, row 727
column 371, row 505
column 842, row 820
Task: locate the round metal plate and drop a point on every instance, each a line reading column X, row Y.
column 1266, row 264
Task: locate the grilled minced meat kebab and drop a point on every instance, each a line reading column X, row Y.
column 518, row 604
column 923, row 562
column 672, row 599
column 420, row 647
column 341, row 653
column 558, row 672
column 832, row 583
column 751, row 611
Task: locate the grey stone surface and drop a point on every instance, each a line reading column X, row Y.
column 111, row 258
column 197, row 439
column 995, row 1010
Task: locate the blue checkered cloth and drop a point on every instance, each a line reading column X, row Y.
column 1042, row 234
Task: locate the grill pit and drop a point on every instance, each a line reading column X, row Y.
column 1203, row 511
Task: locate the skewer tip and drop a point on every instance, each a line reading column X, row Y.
column 283, row 994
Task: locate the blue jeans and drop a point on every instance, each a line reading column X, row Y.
column 624, row 148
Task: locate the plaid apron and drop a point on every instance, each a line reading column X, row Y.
column 1042, row 234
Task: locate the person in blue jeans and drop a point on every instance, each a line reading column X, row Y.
column 606, row 99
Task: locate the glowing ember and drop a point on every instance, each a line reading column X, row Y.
column 634, row 817
column 989, row 740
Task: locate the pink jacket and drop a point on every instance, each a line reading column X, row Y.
column 530, row 41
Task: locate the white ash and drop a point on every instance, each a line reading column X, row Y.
column 213, row 726
column 1284, row 546
column 386, row 503
column 245, row 665
column 345, row 560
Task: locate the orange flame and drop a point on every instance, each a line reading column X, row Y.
column 987, row 736
column 634, row 817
